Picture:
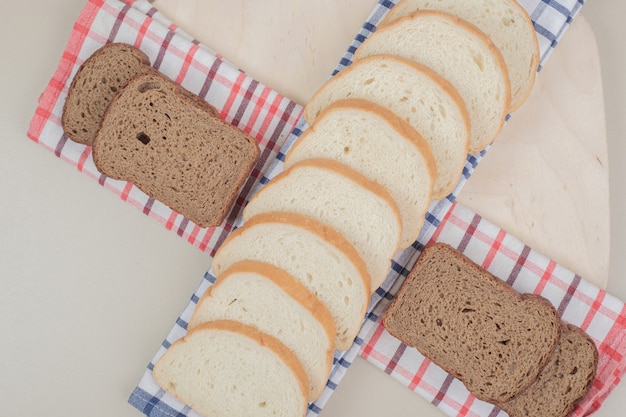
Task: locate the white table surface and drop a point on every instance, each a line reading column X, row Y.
column 72, row 344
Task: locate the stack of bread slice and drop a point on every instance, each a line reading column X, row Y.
column 385, row 137
column 508, row 349
column 146, row 129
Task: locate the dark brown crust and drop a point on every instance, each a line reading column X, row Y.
column 501, row 285
column 74, row 92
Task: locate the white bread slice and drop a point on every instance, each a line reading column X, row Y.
column 225, row 368
column 416, row 94
column 380, row 145
column 506, row 23
column 268, row 298
column 460, row 53
column 315, row 255
column 361, row 210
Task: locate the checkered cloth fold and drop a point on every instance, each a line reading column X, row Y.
column 276, row 122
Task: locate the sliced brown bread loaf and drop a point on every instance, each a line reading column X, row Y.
column 174, row 148
column 473, row 325
column 565, row 380
column 97, row 80
column 225, row 368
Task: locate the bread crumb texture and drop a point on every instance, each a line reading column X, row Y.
column 174, row 148
column 473, row 325
column 95, row 84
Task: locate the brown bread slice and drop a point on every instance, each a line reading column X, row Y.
column 97, row 80
column 564, row 381
column 173, row 147
column 473, row 325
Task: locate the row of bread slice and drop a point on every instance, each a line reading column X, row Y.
column 387, row 135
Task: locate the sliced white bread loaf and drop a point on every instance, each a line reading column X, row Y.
column 416, row 94
column 506, row 23
column 268, row 298
column 225, row 368
column 315, row 255
column 377, row 143
column 460, row 53
column 360, row 209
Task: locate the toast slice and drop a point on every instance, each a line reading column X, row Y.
column 315, row 255
column 95, row 84
column 380, row 145
column 505, row 22
column 225, row 368
column 461, row 54
column 268, row 298
column 361, row 210
column 473, row 325
column 416, row 94
column 564, row 381
column 173, row 147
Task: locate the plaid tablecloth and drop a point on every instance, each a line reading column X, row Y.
column 276, row 122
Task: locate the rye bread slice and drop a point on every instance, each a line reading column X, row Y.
column 565, row 380
column 473, row 325
column 97, row 80
column 172, row 146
